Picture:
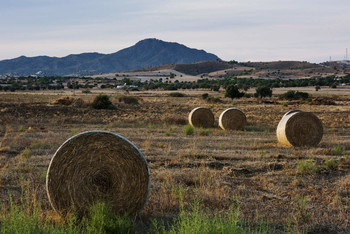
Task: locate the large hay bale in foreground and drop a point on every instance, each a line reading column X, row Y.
column 232, row 119
column 201, row 117
column 96, row 167
column 298, row 128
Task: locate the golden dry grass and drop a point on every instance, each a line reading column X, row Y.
column 248, row 165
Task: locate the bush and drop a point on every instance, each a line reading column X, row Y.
column 128, row 100
column 86, row 91
column 205, row 95
column 102, row 102
column 263, row 91
column 176, row 94
column 188, row 130
column 233, row 92
column 292, row 95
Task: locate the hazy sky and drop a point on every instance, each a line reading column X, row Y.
column 244, row 30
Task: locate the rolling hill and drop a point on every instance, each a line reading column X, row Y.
column 145, row 53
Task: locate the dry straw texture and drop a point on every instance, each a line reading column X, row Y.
column 63, row 101
column 298, row 128
column 98, row 166
column 232, row 119
column 201, row 117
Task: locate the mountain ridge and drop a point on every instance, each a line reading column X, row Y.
column 145, row 53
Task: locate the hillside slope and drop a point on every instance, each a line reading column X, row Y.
column 145, row 53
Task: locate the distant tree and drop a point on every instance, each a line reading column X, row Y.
column 232, row 92
column 232, row 62
column 317, row 87
column 126, row 81
column 263, row 91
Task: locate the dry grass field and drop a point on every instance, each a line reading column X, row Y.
column 306, row 188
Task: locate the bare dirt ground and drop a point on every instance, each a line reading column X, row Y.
column 213, row 166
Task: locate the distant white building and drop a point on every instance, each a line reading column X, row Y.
column 126, row 86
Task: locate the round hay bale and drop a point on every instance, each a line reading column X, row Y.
column 298, row 128
column 201, row 117
column 98, row 166
column 66, row 101
column 232, row 119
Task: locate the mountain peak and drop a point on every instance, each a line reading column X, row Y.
column 145, row 53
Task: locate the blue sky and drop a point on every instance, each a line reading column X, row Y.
column 249, row 30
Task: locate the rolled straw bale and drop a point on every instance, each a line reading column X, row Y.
column 298, row 128
column 66, row 101
column 201, row 117
column 232, row 119
column 98, row 166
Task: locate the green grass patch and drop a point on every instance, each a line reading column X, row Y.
column 339, row 150
column 188, row 130
column 306, row 167
column 331, row 164
column 204, row 132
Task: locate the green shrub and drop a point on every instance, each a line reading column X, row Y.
column 232, row 92
column 292, row 95
column 205, row 95
column 128, row 100
column 102, row 102
column 176, row 94
column 86, row 91
column 263, row 91
column 188, row 130
column 306, row 167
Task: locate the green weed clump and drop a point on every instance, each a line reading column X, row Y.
column 306, row 167
column 188, row 130
column 26, row 154
column 21, row 128
column 102, row 220
column 196, row 220
column 331, row 164
column 339, row 150
column 26, row 217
